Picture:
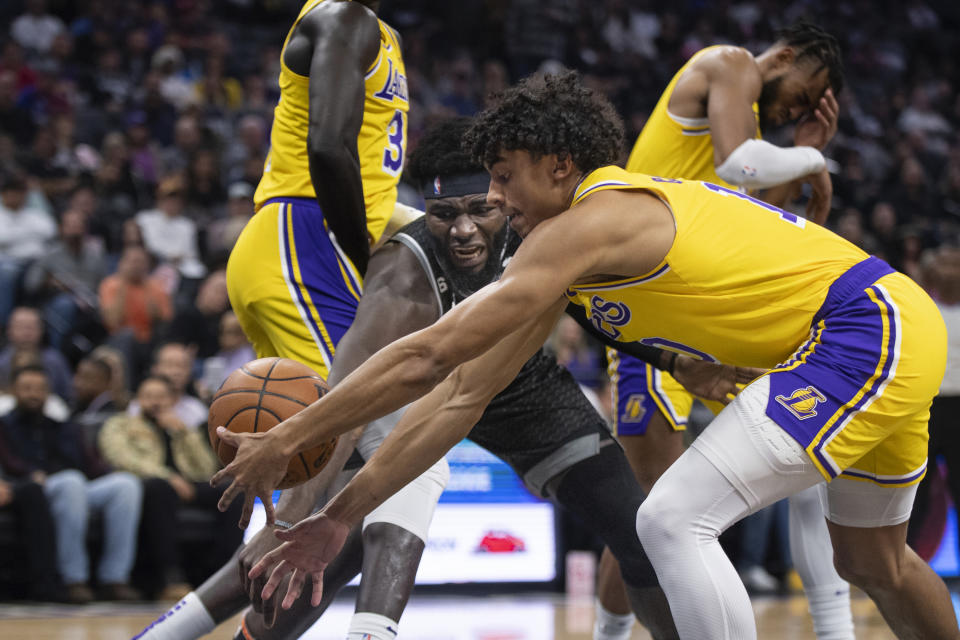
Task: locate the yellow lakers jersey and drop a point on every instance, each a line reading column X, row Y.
column 759, row 297
column 673, row 146
column 381, row 143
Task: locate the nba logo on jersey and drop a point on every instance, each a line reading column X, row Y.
column 633, row 409
column 436, row 186
column 803, row 402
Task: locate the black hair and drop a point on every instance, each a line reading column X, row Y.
column 549, row 114
column 158, row 378
column 810, row 41
column 100, row 364
column 32, row 367
column 440, row 152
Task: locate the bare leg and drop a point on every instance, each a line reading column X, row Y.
column 392, row 555
column 294, row 622
column 911, row 597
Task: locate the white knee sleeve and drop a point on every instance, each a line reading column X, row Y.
column 412, row 507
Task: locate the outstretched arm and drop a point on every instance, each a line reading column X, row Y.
column 345, row 40
column 425, row 433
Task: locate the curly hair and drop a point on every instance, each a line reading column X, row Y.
column 811, row 41
column 550, row 114
column 440, row 152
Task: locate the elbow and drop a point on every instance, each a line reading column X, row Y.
column 426, row 367
column 326, row 151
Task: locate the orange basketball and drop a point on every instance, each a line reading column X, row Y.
column 260, row 395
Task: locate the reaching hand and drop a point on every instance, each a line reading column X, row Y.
column 712, row 381
column 256, row 470
column 817, row 128
column 261, row 544
column 308, row 548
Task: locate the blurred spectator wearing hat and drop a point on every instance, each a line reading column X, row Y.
column 24, row 234
column 222, row 234
column 170, row 235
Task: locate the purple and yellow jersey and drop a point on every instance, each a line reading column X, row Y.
column 857, row 350
column 767, row 293
column 381, row 143
column 672, row 146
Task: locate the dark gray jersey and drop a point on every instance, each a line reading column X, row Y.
column 541, row 424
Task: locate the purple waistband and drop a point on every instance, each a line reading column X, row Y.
column 855, row 279
column 303, row 202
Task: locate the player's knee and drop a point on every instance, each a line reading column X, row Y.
column 392, row 538
column 657, row 521
column 867, row 569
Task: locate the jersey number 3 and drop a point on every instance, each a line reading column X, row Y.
column 393, row 153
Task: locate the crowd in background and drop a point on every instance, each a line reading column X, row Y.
column 132, row 135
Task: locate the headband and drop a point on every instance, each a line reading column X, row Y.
column 456, row 186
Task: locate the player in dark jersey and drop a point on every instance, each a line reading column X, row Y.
column 427, row 268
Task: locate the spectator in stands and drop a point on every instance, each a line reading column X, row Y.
column 187, row 139
column 197, row 324
column 133, row 306
column 36, row 29
column 65, row 280
column 93, row 400
column 36, row 533
column 235, row 351
column 174, row 362
column 24, row 234
column 119, row 383
column 25, row 334
column 176, row 462
column 167, row 233
column 250, row 142
column 52, row 454
column 205, row 193
column 55, row 407
column 222, row 234
column 15, row 120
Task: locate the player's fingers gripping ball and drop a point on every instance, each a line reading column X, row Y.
column 260, row 395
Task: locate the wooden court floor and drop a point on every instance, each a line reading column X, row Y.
column 521, row 617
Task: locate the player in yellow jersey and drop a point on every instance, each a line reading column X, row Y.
column 329, row 182
column 707, row 126
column 856, row 349
column 327, row 194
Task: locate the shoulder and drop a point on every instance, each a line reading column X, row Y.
column 728, row 62
column 329, row 16
column 396, row 270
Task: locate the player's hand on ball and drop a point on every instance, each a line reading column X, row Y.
column 256, row 471
column 711, row 380
column 308, row 548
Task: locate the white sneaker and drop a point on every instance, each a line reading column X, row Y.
column 757, row 580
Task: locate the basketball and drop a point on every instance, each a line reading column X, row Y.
column 260, row 395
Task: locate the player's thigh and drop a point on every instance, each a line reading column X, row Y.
column 653, row 452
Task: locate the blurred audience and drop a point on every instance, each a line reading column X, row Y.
column 176, row 462
column 52, row 454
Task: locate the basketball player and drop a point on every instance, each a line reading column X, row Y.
column 329, row 182
column 327, row 193
column 858, row 352
column 541, row 425
column 706, row 126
